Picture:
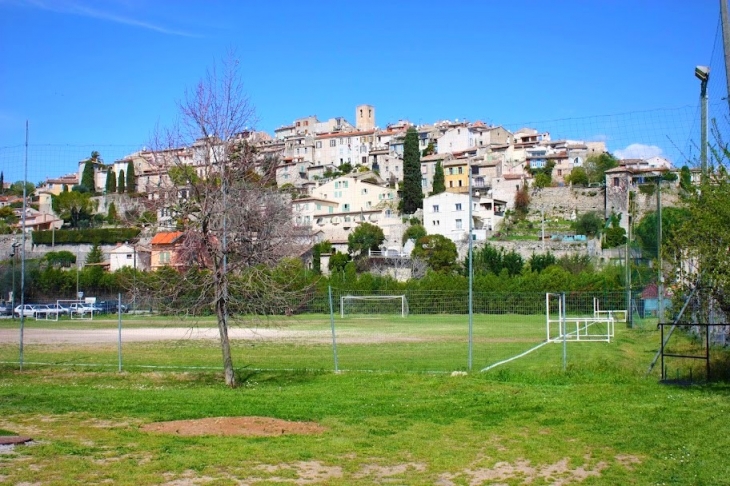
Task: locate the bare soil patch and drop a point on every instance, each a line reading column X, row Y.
column 243, row 426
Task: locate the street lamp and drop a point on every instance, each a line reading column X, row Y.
column 703, row 74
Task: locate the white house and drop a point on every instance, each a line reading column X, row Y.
column 124, row 255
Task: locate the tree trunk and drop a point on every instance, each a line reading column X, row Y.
column 221, row 309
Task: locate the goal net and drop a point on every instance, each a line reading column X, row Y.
column 564, row 326
column 352, row 305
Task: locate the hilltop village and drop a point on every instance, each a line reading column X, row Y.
column 339, row 175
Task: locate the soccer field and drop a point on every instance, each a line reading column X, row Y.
column 416, row 343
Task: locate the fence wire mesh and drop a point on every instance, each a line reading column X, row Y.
column 433, row 337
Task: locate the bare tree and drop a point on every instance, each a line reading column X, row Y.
column 234, row 223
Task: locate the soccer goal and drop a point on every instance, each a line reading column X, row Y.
column 352, row 305
column 562, row 327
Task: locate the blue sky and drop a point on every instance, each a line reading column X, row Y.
column 103, row 73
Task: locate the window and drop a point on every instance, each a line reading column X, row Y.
column 616, row 182
column 451, row 183
column 435, row 208
column 164, row 257
column 342, row 141
column 331, row 209
column 333, row 143
column 460, row 181
column 338, row 194
column 345, row 207
column 459, row 225
column 451, row 171
column 368, row 204
column 363, row 191
column 458, row 206
column 424, row 169
column 319, row 206
column 364, row 159
column 424, row 182
column 461, row 170
column 396, row 168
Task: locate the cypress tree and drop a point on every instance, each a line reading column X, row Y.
column 2, row 183
column 112, row 214
column 412, row 195
column 120, row 182
column 87, row 176
column 111, row 181
column 439, row 181
column 131, row 184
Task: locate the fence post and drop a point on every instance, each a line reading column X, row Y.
column 332, row 324
column 563, row 324
column 119, row 325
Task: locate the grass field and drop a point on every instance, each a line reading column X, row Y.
column 601, row 421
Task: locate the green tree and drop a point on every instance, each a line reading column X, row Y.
column 130, row 178
column 540, row 261
column 614, row 235
column 699, row 246
column 365, row 237
column 542, row 180
column 589, row 224
column 429, row 150
column 120, row 182
column 437, row 251
column 317, row 250
column 338, row 261
column 597, row 165
column 16, row 189
column 74, row 207
column 522, row 202
column 578, row 177
column 87, row 176
column 414, row 232
column 646, row 231
column 112, row 216
column 685, row 179
column 412, row 194
column 111, row 181
column 95, row 255
column 439, row 181
column 61, row 258
column 2, row 182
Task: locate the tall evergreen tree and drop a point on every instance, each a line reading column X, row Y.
column 439, row 181
column 112, row 214
column 120, row 182
column 2, row 183
column 87, row 176
column 131, row 184
column 111, row 181
column 412, row 194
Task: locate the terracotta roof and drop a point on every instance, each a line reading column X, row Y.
column 166, row 238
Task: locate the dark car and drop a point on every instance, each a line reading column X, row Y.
column 110, row 306
column 6, row 309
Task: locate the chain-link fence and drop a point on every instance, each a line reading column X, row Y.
column 416, row 331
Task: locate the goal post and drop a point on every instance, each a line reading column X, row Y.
column 373, row 305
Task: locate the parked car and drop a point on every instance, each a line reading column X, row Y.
column 111, row 306
column 80, row 308
column 59, row 309
column 29, row 310
column 6, row 309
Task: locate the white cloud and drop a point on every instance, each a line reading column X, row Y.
column 639, row 151
column 78, row 8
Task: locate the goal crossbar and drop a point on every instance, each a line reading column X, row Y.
column 370, row 304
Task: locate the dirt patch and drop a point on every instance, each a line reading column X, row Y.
column 245, row 426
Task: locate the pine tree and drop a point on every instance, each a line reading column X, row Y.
column 95, row 255
column 412, row 195
column 87, row 176
column 120, row 182
column 111, row 181
column 439, row 181
column 131, row 184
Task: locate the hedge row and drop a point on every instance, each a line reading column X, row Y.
column 100, row 236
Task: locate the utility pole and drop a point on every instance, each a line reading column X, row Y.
column 725, row 44
column 660, row 274
column 703, row 74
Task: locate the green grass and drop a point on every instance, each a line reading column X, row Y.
column 528, row 421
